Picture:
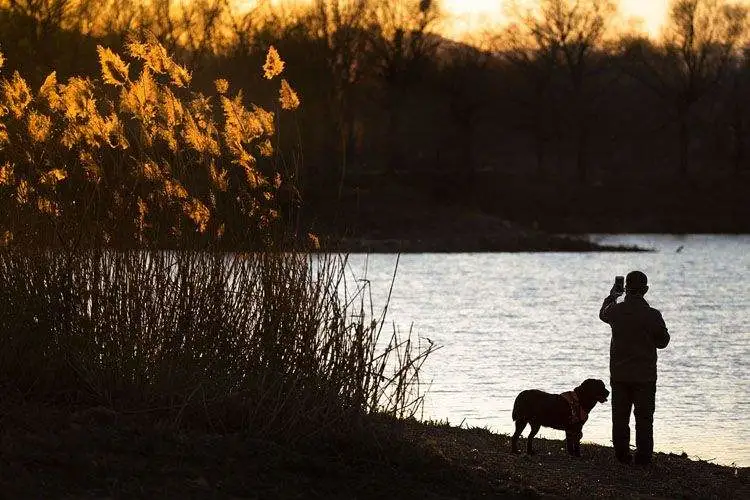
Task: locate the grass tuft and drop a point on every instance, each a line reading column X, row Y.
column 278, row 344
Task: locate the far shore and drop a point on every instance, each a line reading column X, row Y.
column 402, row 220
column 518, row 242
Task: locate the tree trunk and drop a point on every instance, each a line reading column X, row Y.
column 395, row 101
column 344, row 159
column 468, row 153
column 541, row 150
column 540, row 142
column 344, row 127
column 394, row 160
column 684, row 142
column 581, row 163
column 738, row 128
column 739, row 154
column 581, row 147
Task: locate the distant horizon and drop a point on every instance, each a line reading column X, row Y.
column 471, row 16
column 465, row 18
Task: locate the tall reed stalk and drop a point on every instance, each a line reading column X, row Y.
column 95, row 174
column 277, row 343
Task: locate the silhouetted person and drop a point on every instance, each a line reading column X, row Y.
column 638, row 330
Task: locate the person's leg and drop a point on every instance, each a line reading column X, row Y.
column 644, row 399
column 621, row 406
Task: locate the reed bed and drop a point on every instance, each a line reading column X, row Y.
column 101, row 180
column 274, row 343
column 135, row 157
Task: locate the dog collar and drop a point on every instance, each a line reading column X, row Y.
column 577, row 413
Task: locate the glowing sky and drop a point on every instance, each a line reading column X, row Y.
column 470, row 15
column 466, row 16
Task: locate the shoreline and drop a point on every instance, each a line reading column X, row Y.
column 402, row 220
column 387, row 247
column 401, row 215
column 96, row 452
column 507, row 242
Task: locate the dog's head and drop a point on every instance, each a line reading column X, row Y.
column 593, row 390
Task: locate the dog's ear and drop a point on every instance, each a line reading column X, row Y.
column 588, row 389
column 581, row 390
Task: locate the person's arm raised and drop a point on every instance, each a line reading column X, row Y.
column 606, row 309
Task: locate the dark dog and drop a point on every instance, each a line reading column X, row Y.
column 567, row 411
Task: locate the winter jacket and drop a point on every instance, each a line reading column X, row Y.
column 638, row 330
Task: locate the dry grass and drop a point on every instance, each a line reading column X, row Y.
column 268, row 342
column 134, row 157
column 97, row 178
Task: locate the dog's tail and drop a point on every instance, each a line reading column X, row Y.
column 515, row 410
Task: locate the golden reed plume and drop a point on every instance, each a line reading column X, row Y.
column 274, row 65
column 152, row 154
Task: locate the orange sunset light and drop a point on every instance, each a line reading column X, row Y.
column 464, row 18
column 469, row 16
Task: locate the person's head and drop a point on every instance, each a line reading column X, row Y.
column 636, row 283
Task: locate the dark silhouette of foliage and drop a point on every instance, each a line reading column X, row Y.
column 556, row 98
column 699, row 47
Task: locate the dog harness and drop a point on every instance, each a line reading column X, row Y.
column 577, row 414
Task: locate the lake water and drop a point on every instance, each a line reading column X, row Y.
column 514, row 321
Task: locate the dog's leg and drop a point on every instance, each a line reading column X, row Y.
column 520, row 426
column 532, row 433
column 573, row 441
column 579, row 436
column 570, row 444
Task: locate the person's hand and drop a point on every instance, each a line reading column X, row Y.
column 615, row 292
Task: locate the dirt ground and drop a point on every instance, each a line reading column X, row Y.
column 57, row 453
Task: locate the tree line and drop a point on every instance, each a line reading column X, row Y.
column 557, row 95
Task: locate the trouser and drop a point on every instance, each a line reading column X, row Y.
column 641, row 397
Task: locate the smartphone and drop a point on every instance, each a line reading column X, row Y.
column 620, row 283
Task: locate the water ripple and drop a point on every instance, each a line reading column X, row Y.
column 510, row 322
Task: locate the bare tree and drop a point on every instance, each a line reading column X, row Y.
column 401, row 42
column 106, row 17
column 34, row 31
column 197, row 26
column 203, row 27
column 48, row 12
column 246, row 26
column 698, row 47
column 96, row 17
column 340, row 26
column 740, row 102
column 563, row 34
column 465, row 75
column 534, row 73
column 399, row 34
